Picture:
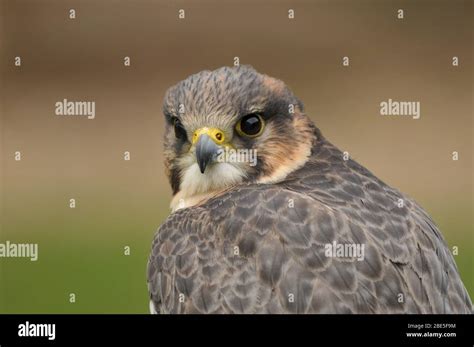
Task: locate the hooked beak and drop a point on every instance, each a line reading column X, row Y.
column 206, row 151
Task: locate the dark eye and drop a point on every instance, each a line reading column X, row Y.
column 251, row 125
column 179, row 130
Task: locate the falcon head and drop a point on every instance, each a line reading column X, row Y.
column 229, row 126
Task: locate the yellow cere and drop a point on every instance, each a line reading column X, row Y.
column 215, row 134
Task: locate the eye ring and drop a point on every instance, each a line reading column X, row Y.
column 251, row 125
column 179, row 130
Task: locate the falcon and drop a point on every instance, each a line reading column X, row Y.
column 302, row 229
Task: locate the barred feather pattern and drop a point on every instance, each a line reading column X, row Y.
column 260, row 248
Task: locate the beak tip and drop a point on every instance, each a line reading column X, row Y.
column 202, row 165
column 206, row 151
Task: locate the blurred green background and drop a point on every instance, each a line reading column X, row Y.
column 121, row 203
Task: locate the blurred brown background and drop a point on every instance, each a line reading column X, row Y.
column 121, row 203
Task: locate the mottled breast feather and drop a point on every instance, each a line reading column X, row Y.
column 260, row 249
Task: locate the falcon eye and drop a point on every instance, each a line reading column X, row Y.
column 179, row 130
column 251, row 125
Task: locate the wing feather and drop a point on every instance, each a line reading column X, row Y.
column 261, row 249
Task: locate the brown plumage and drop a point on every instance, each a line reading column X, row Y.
column 257, row 243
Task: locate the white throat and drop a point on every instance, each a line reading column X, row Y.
column 196, row 187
